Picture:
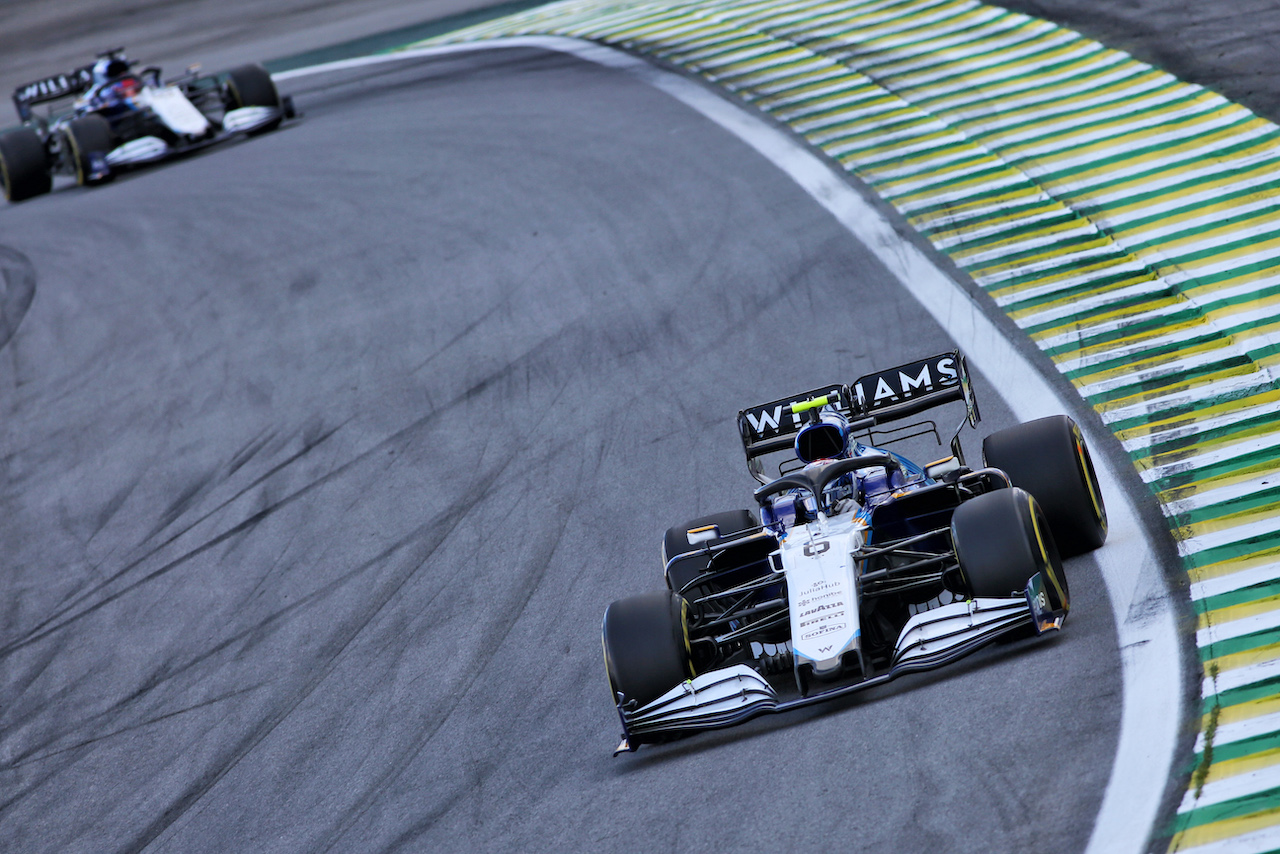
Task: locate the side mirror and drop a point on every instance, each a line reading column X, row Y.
column 939, row 469
column 705, row 534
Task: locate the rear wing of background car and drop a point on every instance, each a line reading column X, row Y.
column 872, row 400
column 49, row 89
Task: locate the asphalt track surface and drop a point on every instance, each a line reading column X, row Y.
column 273, row 583
column 323, row 453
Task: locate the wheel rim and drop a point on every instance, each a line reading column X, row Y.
column 1054, row 574
column 77, row 156
column 1090, row 477
column 1037, row 519
column 684, row 629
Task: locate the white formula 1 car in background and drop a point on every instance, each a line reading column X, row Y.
column 857, row 565
column 104, row 118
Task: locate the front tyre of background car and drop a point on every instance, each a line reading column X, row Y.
column 83, row 137
column 1048, row 458
column 1002, row 539
column 24, row 165
column 252, row 86
column 646, row 646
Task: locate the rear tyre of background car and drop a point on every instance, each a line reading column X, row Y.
column 84, row 137
column 1001, row 540
column 252, row 86
column 24, row 165
column 1049, row 459
column 646, row 646
column 677, row 542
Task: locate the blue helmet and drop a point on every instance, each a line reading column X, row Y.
column 109, row 68
column 825, row 439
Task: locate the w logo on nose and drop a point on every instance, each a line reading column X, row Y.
column 824, row 649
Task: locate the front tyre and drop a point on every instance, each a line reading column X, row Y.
column 1048, row 458
column 646, row 646
column 24, row 165
column 252, row 86
column 1001, row 540
column 84, row 137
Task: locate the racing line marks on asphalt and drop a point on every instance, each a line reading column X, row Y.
column 1125, row 220
column 17, row 290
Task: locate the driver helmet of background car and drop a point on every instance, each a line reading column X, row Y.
column 108, row 68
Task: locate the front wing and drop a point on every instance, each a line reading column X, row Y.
column 148, row 149
column 731, row 695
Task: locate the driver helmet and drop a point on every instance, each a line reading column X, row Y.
column 826, row 439
column 108, row 68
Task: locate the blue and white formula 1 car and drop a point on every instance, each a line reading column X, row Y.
column 860, row 565
column 104, row 118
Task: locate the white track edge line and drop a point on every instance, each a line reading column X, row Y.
column 1140, row 599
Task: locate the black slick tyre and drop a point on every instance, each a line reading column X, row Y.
column 646, row 646
column 252, row 86
column 1002, row 539
column 24, row 165
column 84, row 137
column 1048, row 458
column 676, row 542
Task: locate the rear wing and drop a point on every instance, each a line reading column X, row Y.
column 53, row 88
column 872, row 400
column 912, row 388
column 773, row 426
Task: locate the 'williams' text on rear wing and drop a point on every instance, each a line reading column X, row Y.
column 875, row 399
column 912, row 388
column 772, row 426
column 51, row 89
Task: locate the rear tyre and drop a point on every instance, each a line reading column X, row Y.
column 677, row 542
column 84, row 137
column 1049, row 459
column 252, row 86
column 646, row 646
column 1002, row 539
column 24, row 165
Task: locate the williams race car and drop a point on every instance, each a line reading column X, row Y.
column 103, row 118
column 857, row 565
